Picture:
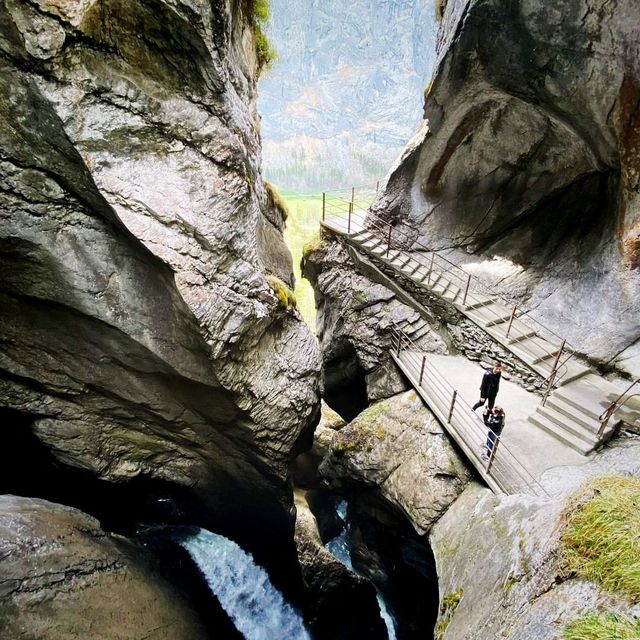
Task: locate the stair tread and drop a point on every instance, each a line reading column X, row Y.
column 572, row 441
column 588, row 433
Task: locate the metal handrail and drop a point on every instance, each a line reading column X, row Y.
column 620, row 401
column 377, row 224
column 454, row 266
column 468, row 426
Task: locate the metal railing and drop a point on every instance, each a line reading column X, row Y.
column 619, row 402
column 358, row 218
column 463, row 424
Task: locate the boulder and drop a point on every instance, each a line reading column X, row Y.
column 397, row 454
column 63, row 578
column 499, row 558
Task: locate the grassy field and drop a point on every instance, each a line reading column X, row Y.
column 305, row 211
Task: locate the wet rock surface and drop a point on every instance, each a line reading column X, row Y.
column 63, row 577
column 503, row 555
column 140, row 337
column 396, row 453
column 343, row 605
column 532, row 155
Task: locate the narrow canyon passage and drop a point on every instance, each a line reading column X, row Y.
column 258, row 259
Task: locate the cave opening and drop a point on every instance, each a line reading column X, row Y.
column 344, row 383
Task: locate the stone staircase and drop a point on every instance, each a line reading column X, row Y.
column 522, row 339
column 415, row 329
column 571, row 412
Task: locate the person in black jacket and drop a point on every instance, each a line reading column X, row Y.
column 490, row 386
column 494, row 419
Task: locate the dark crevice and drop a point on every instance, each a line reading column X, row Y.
column 345, row 389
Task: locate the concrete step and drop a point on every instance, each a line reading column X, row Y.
column 371, row 244
column 588, row 433
column 486, row 313
column 577, row 444
column 421, row 332
column 498, row 321
column 452, row 294
column 362, row 236
column 590, row 399
column 479, row 300
column 584, row 416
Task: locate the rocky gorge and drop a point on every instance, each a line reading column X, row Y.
column 160, row 395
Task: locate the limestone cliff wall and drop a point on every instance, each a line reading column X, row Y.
column 138, row 331
column 531, row 154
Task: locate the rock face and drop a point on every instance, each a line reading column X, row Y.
column 139, row 333
column 532, row 154
column 343, row 604
column 502, row 555
column 398, row 450
column 355, row 319
column 63, row 577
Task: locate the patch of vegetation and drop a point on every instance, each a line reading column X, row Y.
column 277, row 201
column 380, row 432
column 441, row 7
column 259, row 12
column 600, row 540
column 286, row 297
column 311, row 246
column 349, row 440
column 606, row 626
column 448, row 607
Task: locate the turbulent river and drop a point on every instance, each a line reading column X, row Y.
column 339, row 547
column 257, row 609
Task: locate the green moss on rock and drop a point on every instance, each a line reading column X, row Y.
column 448, row 607
column 286, row 298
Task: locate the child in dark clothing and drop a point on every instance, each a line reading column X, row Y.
column 494, row 419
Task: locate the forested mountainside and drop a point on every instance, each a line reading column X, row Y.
column 345, row 94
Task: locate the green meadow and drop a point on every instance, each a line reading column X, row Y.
column 303, row 223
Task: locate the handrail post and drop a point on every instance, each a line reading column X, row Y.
column 398, row 350
column 453, row 404
column 389, row 241
column 513, row 315
column 424, row 361
column 466, row 291
column 377, row 186
column 433, row 255
column 349, row 222
column 607, row 415
column 552, row 375
column 353, row 196
column 324, row 203
column 492, row 455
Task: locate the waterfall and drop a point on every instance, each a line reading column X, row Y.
column 243, row 588
column 339, row 547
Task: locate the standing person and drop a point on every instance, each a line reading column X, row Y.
column 489, row 386
column 494, row 419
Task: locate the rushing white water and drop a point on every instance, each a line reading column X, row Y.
column 339, row 547
column 257, row 609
